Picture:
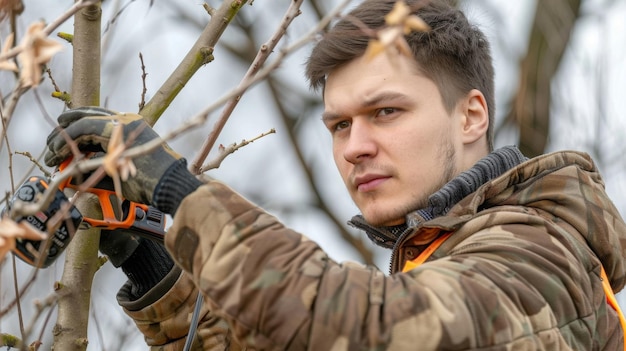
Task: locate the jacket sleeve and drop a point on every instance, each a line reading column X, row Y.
column 276, row 289
column 163, row 315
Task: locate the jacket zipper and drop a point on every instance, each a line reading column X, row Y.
column 396, row 247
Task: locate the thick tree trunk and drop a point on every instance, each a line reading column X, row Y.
column 550, row 34
column 81, row 261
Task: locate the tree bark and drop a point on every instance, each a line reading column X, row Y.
column 81, row 260
column 550, row 34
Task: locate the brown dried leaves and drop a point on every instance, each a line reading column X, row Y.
column 399, row 22
column 116, row 166
column 10, row 231
column 35, row 50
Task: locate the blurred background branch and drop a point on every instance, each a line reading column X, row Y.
column 560, row 80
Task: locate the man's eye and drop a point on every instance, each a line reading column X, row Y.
column 386, row 111
column 341, row 125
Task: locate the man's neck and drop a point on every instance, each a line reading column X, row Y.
column 489, row 167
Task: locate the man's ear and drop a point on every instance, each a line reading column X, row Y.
column 476, row 117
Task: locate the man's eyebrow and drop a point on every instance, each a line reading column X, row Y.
column 374, row 100
column 328, row 117
column 383, row 97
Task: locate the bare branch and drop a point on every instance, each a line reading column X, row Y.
column 551, row 31
column 57, row 93
column 142, row 103
column 266, row 49
column 200, row 54
column 53, row 25
column 225, row 151
column 251, row 77
column 85, row 166
column 34, row 161
column 6, row 111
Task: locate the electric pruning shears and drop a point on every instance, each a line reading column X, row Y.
column 134, row 218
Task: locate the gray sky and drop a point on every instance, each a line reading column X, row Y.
column 587, row 117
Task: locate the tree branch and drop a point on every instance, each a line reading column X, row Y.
column 551, row 30
column 81, row 260
column 266, row 49
column 200, row 54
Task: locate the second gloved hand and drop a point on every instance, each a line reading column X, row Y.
column 91, row 128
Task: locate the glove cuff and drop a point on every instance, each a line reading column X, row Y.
column 158, row 292
column 175, row 184
column 147, row 266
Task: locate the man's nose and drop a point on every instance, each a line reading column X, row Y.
column 361, row 143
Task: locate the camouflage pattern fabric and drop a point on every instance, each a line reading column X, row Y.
column 521, row 271
column 167, row 313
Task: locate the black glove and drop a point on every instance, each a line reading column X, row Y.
column 91, row 128
column 118, row 245
column 145, row 262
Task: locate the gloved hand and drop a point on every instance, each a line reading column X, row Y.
column 118, row 245
column 145, row 262
column 91, row 129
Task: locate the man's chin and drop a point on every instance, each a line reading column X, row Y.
column 379, row 220
column 391, row 217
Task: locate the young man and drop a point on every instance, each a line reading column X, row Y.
column 491, row 251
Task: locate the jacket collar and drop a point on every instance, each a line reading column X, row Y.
column 491, row 166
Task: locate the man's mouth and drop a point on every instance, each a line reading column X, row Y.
column 369, row 182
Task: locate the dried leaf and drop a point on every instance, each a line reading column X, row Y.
column 389, row 36
column 116, row 166
column 415, row 23
column 117, row 136
column 398, row 14
column 399, row 22
column 403, row 47
column 35, row 345
column 114, row 150
column 374, row 47
column 37, row 49
column 11, row 230
column 127, row 168
column 7, row 64
column 10, row 6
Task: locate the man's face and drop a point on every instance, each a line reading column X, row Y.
column 394, row 142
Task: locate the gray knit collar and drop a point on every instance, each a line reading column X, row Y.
column 491, row 166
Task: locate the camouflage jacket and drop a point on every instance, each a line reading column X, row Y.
column 521, row 271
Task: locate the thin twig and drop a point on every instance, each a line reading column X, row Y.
column 201, row 117
column 6, row 110
column 34, row 161
column 86, row 165
column 16, row 287
column 10, row 154
column 225, row 151
column 40, row 306
column 57, row 93
column 266, row 49
column 248, row 81
column 200, row 54
column 25, row 287
column 53, row 25
column 142, row 103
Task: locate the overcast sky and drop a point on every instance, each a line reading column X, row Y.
column 587, row 114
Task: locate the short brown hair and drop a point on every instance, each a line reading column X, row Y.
column 454, row 53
